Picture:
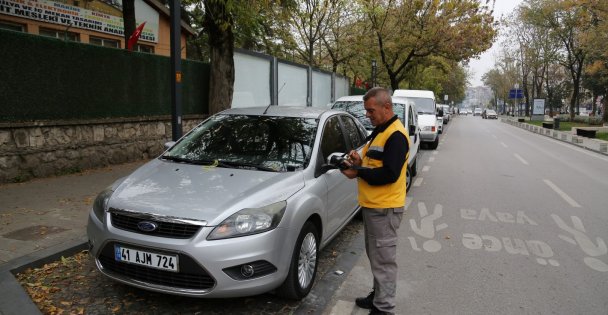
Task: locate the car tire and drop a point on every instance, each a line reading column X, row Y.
column 435, row 144
column 414, row 170
column 408, row 179
column 304, row 263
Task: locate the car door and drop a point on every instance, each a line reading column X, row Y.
column 412, row 120
column 341, row 191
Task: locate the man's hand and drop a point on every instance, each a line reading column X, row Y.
column 353, row 160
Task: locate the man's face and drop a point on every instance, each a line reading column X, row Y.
column 375, row 113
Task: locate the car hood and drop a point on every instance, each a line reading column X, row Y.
column 427, row 120
column 200, row 192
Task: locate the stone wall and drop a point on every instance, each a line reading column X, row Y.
column 42, row 149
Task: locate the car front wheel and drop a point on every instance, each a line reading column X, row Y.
column 408, row 179
column 303, row 268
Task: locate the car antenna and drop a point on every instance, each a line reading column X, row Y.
column 267, row 109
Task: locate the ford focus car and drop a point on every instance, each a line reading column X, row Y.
column 239, row 206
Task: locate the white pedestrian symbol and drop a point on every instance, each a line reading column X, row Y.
column 586, row 244
column 427, row 228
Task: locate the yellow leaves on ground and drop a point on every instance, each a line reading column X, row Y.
column 44, row 282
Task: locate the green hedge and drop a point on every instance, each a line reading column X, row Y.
column 49, row 79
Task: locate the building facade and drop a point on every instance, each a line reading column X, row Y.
column 96, row 22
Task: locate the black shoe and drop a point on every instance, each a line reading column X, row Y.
column 375, row 311
column 366, row 302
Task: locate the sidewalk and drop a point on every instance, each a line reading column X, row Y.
column 44, row 213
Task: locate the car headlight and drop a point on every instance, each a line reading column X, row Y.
column 250, row 221
column 101, row 203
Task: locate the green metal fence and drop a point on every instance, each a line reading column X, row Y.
column 49, row 79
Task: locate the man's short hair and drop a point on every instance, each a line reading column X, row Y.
column 380, row 94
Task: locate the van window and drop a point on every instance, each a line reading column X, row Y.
column 424, row 105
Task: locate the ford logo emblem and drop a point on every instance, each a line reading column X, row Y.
column 147, row 226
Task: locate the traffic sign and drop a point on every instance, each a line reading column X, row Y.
column 516, row 93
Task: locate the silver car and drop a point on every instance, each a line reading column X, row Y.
column 239, row 206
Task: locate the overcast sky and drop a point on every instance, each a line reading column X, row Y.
column 486, row 61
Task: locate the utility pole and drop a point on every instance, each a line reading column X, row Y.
column 176, row 70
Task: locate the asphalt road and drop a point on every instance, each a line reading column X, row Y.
column 504, row 221
column 500, row 221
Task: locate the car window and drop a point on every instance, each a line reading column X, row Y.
column 355, row 138
column 356, row 109
column 399, row 110
column 277, row 143
column 410, row 118
column 333, row 138
column 424, row 105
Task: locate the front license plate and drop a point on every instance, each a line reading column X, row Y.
column 145, row 258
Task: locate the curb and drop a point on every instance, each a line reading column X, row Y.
column 15, row 300
column 595, row 145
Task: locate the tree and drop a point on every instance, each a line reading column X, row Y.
column 128, row 17
column 410, row 30
column 595, row 42
column 311, row 20
column 565, row 23
column 219, row 25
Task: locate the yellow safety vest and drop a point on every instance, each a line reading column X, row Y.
column 384, row 196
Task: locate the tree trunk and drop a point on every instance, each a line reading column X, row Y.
column 128, row 16
column 221, row 48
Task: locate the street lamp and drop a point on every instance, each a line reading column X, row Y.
column 373, row 72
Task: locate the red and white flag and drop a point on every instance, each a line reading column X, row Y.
column 135, row 36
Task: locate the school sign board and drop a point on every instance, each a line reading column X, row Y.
column 78, row 17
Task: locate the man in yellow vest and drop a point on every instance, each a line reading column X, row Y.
column 380, row 171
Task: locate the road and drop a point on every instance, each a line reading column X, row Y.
column 504, row 221
column 500, row 221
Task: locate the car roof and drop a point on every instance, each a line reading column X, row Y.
column 353, row 98
column 280, row 111
column 414, row 93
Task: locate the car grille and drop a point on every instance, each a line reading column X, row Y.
column 165, row 229
column 191, row 276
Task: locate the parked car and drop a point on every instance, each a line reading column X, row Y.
column 491, row 114
column 447, row 113
column 427, row 114
column 238, row 206
column 404, row 109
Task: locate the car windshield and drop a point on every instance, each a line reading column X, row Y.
column 357, row 109
column 251, row 142
column 424, row 105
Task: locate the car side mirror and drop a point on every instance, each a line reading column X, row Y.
column 412, row 130
column 332, row 162
column 169, row 144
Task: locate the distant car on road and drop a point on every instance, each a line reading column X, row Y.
column 477, row 112
column 491, row 114
column 463, row 111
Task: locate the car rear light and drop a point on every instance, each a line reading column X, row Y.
column 433, row 129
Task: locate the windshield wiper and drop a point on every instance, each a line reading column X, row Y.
column 251, row 165
column 198, row 162
column 175, row 159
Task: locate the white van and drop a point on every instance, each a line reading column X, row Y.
column 427, row 114
column 404, row 109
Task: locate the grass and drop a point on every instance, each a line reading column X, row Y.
column 602, row 136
